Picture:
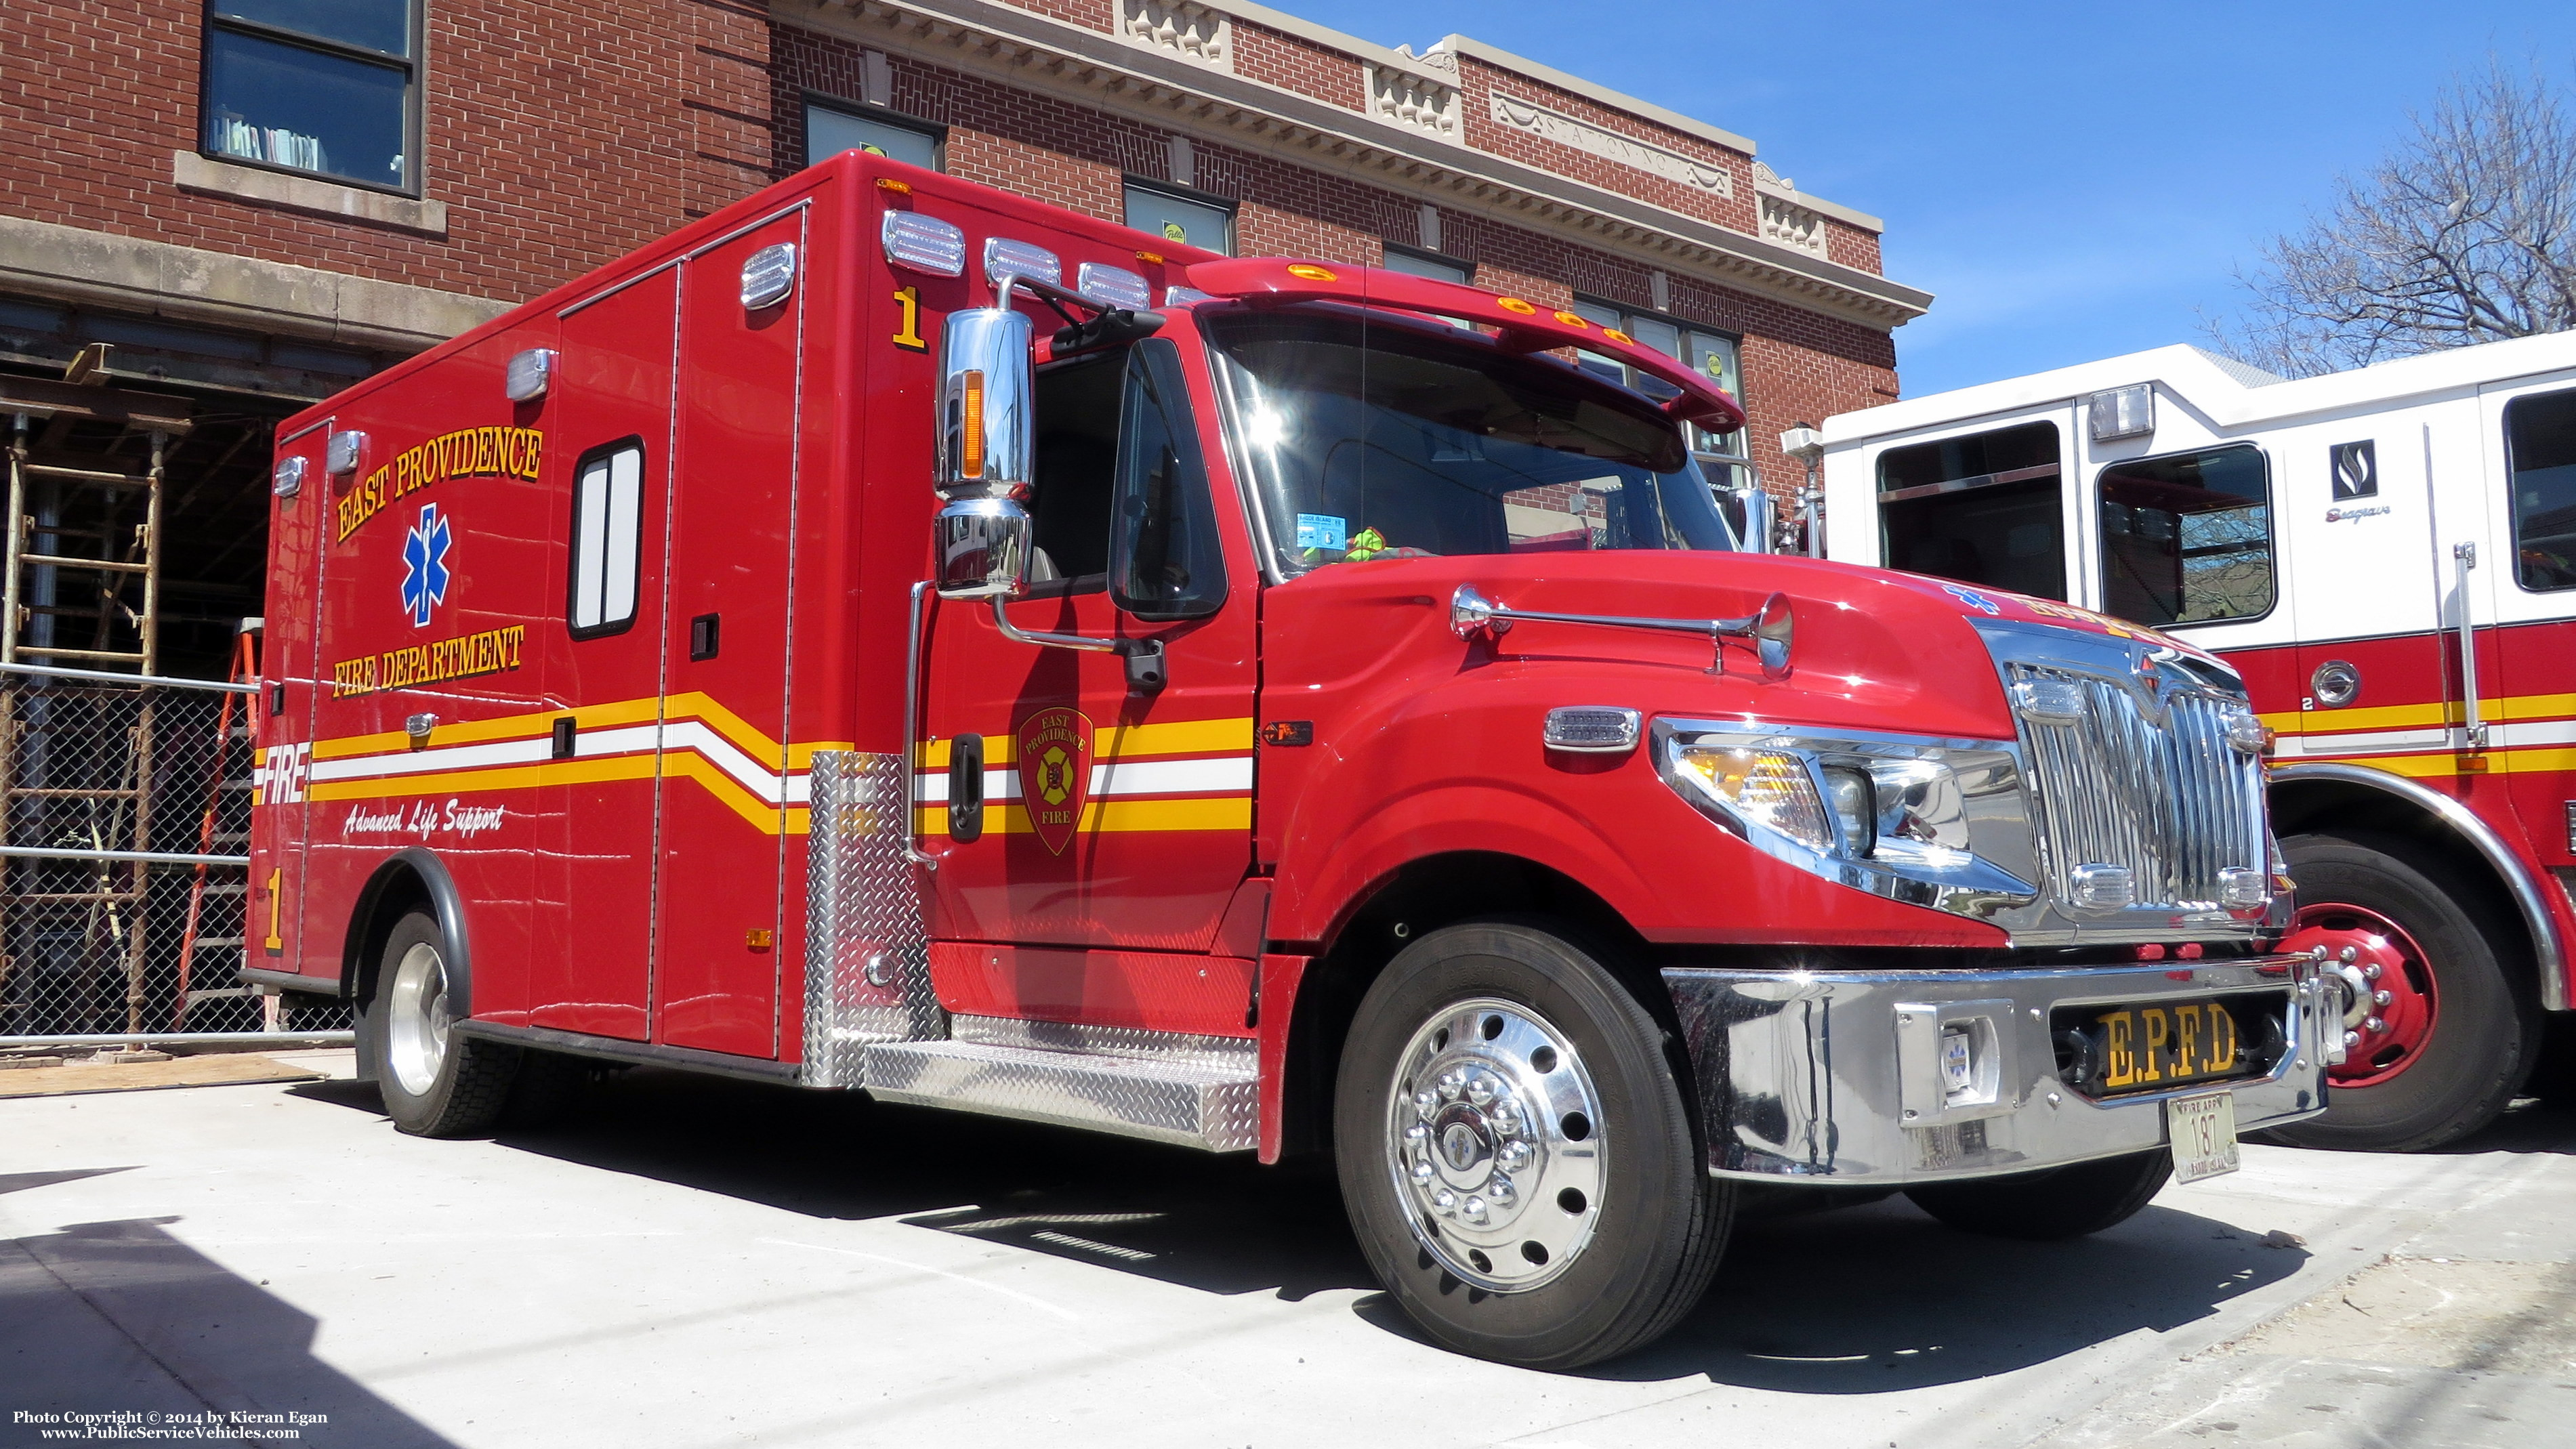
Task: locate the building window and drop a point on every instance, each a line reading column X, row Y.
column 2187, row 539
column 1428, row 264
column 607, row 532
column 831, row 130
column 1710, row 354
column 2540, row 445
column 327, row 87
column 1191, row 220
column 1982, row 509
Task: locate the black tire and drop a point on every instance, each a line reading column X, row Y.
column 2486, row 1033
column 2062, row 1202
column 434, row 1083
column 1659, row 1221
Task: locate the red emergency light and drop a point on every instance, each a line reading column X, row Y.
column 1523, row 326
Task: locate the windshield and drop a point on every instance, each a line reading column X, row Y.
column 1368, row 439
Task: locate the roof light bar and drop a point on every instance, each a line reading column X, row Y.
column 1005, row 257
column 1113, row 284
column 925, row 243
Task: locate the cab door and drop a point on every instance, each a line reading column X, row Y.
column 1095, row 832
column 2528, row 436
column 2375, row 662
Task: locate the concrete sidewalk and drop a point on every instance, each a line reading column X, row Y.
column 691, row 1261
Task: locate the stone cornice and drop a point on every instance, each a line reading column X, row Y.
column 1109, row 71
column 126, row 273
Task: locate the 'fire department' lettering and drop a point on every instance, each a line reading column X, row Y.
column 465, row 453
column 493, row 651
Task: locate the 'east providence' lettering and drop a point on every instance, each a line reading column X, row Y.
column 465, row 453
column 493, row 651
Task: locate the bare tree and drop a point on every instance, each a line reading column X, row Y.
column 2465, row 232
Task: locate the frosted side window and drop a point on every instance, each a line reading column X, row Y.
column 608, row 501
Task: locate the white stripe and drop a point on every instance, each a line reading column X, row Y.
column 1143, row 777
column 641, row 739
column 2389, row 741
column 421, row 762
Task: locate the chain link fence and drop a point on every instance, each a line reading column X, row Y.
column 125, row 809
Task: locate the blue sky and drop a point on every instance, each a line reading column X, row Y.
column 2072, row 181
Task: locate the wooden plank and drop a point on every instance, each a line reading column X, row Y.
column 142, row 411
column 215, row 1069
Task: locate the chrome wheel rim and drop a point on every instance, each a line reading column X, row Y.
column 1493, row 1141
column 416, row 1019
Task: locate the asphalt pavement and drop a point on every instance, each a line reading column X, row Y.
column 695, row 1262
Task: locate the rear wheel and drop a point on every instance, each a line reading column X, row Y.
column 1515, row 1154
column 2438, row 1037
column 2062, row 1202
column 435, row 1082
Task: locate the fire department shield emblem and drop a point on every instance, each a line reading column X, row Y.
column 1055, row 773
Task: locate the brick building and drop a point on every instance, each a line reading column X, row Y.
column 253, row 202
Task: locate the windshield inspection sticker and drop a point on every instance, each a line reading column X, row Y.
column 1321, row 530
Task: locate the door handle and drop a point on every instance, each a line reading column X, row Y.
column 966, row 789
column 2464, row 557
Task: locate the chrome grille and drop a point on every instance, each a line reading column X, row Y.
column 2155, row 789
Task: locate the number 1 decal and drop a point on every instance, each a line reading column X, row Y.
column 909, row 334
column 275, row 944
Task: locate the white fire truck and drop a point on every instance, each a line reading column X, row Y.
column 2388, row 555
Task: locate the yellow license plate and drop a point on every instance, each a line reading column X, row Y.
column 2153, row 1048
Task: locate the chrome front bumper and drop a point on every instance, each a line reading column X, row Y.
column 1836, row 1077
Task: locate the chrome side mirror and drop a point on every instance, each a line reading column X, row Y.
column 1757, row 503
column 986, row 391
column 983, row 548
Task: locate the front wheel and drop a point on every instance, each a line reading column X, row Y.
column 1515, row 1154
column 2438, row 1037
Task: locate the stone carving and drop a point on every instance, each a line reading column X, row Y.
column 1402, row 98
column 1765, row 176
column 1436, row 58
column 1533, row 119
column 1191, row 31
column 1792, row 225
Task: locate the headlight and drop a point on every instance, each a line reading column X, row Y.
column 1767, row 788
column 1889, row 814
column 1853, row 797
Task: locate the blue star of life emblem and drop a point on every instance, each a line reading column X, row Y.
column 1972, row 599
column 425, row 574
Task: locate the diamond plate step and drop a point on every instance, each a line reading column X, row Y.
column 1192, row 1103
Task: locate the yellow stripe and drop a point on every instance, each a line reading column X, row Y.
column 2416, row 716
column 1233, row 813
column 1179, row 737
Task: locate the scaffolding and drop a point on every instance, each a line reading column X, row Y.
column 84, row 715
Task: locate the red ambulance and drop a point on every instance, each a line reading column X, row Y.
column 895, row 636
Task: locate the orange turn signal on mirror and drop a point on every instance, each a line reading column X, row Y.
column 970, row 448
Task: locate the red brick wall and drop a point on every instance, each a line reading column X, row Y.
column 1283, row 60
column 1852, row 247
column 1477, row 81
column 551, row 134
